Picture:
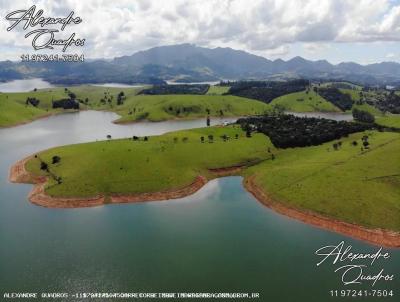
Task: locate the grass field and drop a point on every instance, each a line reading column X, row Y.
column 12, row 113
column 354, row 186
column 218, row 90
column 164, row 107
column 304, row 102
column 330, row 84
column 135, row 107
column 390, row 120
column 162, row 162
column 366, row 107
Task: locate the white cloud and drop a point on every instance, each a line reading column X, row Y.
column 114, row 28
column 391, row 56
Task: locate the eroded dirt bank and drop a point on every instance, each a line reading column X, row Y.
column 386, row 238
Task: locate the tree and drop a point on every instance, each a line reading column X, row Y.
column 185, row 139
column 363, row 116
column 248, row 133
column 236, row 136
column 108, row 136
column 55, row 159
column 210, row 138
column 135, row 138
column 72, row 95
column 202, row 139
column 120, row 98
column 208, row 121
column 146, row 139
column 44, row 166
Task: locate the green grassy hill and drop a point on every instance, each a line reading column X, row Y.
column 218, row 90
column 164, row 107
column 348, row 184
column 304, row 102
column 13, row 113
column 390, row 120
column 163, row 162
column 135, row 107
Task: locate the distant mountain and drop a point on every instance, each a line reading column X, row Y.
column 190, row 63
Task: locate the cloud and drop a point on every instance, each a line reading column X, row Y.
column 391, row 56
column 115, row 28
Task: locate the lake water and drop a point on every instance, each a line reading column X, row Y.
column 118, row 85
column 220, row 239
column 24, row 85
column 328, row 115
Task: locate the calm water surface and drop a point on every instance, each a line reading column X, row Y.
column 24, row 85
column 219, row 239
column 328, row 115
column 118, row 85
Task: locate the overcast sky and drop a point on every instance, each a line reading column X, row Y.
column 363, row 31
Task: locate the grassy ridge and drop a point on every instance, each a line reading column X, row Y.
column 390, row 120
column 304, row 102
column 162, row 162
column 354, row 186
column 164, row 107
column 218, row 90
column 12, row 113
column 135, row 107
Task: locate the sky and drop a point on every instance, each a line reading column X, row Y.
column 362, row 31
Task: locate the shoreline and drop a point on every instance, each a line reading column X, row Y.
column 379, row 237
column 38, row 196
column 28, row 122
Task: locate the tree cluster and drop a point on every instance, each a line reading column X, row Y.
column 389, row 103
column 32, row 101
column 177, row 89
column 337, row 98
column 363, row 116
column 286, row 131
column 65, row 104
column 267, row 91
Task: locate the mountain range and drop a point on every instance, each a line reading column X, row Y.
column 190, row 63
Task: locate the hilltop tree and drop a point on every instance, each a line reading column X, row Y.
column 55, row 159
column 44, row 166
